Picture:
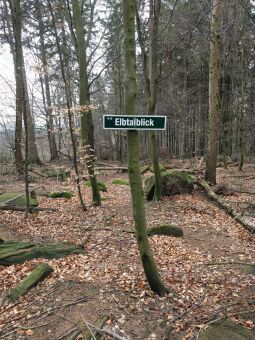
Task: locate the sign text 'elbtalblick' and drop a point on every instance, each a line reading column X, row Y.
column 128, row 122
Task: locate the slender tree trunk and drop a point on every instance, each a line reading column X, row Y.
column 214, row 98
column 15, row 45
column 241, row 113
column 146, row 255
column 87, row 128
column 32, row 148
column 19, row 65
column 63, row 73
column 45, row 78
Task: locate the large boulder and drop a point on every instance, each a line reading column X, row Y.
column 173, row 182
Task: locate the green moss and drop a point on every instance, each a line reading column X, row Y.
column 9, row 198
column 120, row 182
column 101, row 185
column 104, row 198
column 60, row 194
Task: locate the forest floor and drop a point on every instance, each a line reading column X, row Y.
column 202, row 267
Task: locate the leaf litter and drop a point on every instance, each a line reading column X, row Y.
column 193, row 267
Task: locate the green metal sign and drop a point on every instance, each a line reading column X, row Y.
column 129, row 122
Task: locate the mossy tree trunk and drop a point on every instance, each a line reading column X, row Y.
column 214, row 94
column 87, row 128
column 149, row 265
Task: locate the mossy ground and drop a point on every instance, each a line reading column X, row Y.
column 60, row 194
column 120, row 182
column 101, row 185
column 9, row 198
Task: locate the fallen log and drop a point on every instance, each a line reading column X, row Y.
column 30, row 209
column 166, row 230
column 225, row 206
column 119, row 168
column 13, row 252
column 36, row 276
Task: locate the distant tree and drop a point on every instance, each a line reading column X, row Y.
column 87, row 128
column 20, row 75
column 151, row 74
column 214, row 95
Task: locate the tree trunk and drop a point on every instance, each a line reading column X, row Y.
column 21, row 90
column 45, row 78
column 150, row 72
column 68, row 103
column 152, row 100
column 16, row 49
column 146, row 255
column 214, row 98
column 87, row 128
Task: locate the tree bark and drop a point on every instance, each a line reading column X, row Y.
column 149, row 265
column 214, row 97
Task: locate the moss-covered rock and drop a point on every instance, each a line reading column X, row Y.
column 101, row 185
column 149, row 187
column 60, row 194
column 173, row 182
column 120, row 182
column 227, row 330
column 176, row 182
column 161, row 167
column 167, row 230
column 16, row 199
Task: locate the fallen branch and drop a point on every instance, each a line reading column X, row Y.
column 30, row 209
column 229, row 263
column 225, row 206
column 116, row 169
